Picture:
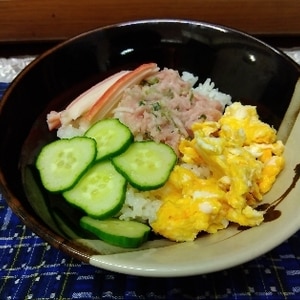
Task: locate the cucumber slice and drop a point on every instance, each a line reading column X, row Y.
column 126, row 234
column 112, row 137
column 100, row 192
column 146, row 164
column 62, row 162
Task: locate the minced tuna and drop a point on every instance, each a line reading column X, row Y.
column 164, row 106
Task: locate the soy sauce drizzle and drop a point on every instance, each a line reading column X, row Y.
column 271, row 213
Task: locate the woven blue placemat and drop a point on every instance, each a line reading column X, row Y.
column 3, row 87
column 32, row 269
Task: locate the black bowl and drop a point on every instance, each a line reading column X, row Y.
column 240, row 65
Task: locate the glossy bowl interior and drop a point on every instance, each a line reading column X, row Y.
column 240, row 65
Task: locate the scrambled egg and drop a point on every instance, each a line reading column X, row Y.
column 224, row 172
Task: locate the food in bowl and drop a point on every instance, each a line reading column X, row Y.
column 218, row 158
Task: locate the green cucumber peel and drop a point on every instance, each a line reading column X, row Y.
column 61, row 163
column 112, row 137
column 125, row 234
column 100, row 192
column 146, row 165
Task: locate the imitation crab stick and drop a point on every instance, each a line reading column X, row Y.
column 99, row 99
column 82, row 103
column 111, row 96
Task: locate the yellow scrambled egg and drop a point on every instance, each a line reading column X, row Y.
column 224, row 172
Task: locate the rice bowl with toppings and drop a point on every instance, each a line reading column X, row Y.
column 227, row 157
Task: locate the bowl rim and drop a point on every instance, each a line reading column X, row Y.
column 206, row 24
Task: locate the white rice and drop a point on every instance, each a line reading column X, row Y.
column 68, row 131
column 140, row 206
column 208, row 89
column 189, row 77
